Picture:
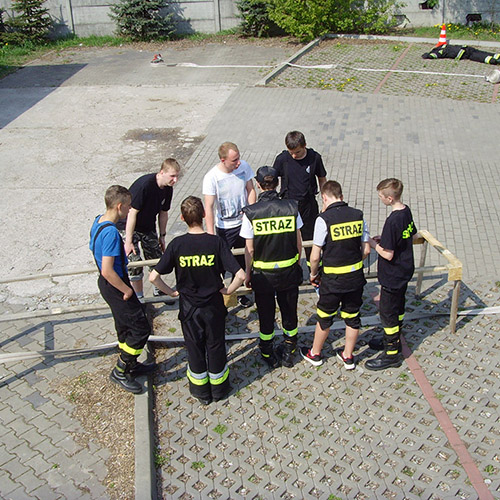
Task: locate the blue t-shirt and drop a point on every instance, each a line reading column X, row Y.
column 108, row 244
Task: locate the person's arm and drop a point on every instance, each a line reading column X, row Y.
column 251, row 194
column 299, row 243
column 321, row 181
column 111, row 276
column 365, row 249
column 249, row 251
column 314, row 260
column 157, row 281
column 129, row 231
column 386, row 254
column 238, row 280
column 162, row 226
column 209, row 213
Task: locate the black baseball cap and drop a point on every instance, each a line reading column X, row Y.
column 264, row 172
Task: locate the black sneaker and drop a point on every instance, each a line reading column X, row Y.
column 158, row 293
column 308, row 356
column 348, row 362
column 244, row 301
column 143, row 369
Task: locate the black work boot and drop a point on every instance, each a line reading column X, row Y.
column 376, row 343
column 384, row 360
column 121, row 376
column 268, row 354
column 286, row 351
column 143, row 369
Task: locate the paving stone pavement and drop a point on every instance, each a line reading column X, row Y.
column 303, row 432
column 324, row 432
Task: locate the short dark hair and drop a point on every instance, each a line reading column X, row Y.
column 116, row 194
column 295, row 139
column 332, row 189
column 192, row 211
column 391, row 187
column 269, row 182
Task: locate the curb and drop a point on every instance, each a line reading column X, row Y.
column 282, row 66
column 145, row 471
column 432, row 41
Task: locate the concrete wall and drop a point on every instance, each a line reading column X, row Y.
column 450, row 11
column 91, row 17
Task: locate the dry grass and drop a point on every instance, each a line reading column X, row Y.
column 106, row 414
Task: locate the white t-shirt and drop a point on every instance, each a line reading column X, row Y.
column 247, row 229
column 321, row 232
column 230, row 193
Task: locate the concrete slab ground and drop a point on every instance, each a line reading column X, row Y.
column 72, row 127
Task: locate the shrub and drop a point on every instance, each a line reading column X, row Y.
column 143, row 19
column 307, row 19
column 255, row 18
column 32, row 25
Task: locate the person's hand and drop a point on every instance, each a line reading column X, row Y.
column 128, row 294
column 377, row 238
column 248, row 281
column 315, row 280
column 175, row 293
column 161, row 241
column 223, row 290
column 129, row 248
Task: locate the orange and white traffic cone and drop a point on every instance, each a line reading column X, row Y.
column 442, row 36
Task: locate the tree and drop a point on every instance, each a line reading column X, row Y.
column 142, row 19
column 31, row 25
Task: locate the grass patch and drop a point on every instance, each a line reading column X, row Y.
column 478, row 31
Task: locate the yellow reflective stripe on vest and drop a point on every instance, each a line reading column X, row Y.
column 323, row 314
column 279, row 264
column 401, row 317
column 345, row 315
column 197, row 378
column 343, row 269
column 219, row 378
column 460, row 54
column 274, row 225
column 129, row 350
column 488, row 59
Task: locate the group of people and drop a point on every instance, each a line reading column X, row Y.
column 271, row 227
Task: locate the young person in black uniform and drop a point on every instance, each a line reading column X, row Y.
column 298, row 169
column 131, row 324
column 151, row 198
column 341, row 242
column 272, row 254
column 395, row 269
column 199, row 260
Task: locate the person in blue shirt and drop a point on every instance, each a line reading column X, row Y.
column 131, row 323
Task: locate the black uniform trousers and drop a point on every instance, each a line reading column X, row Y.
column 204, row 334
column 308, row 210
column 392, row 311
column 265, row 299
column 131, row 323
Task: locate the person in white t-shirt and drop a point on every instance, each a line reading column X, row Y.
column 227, row 188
